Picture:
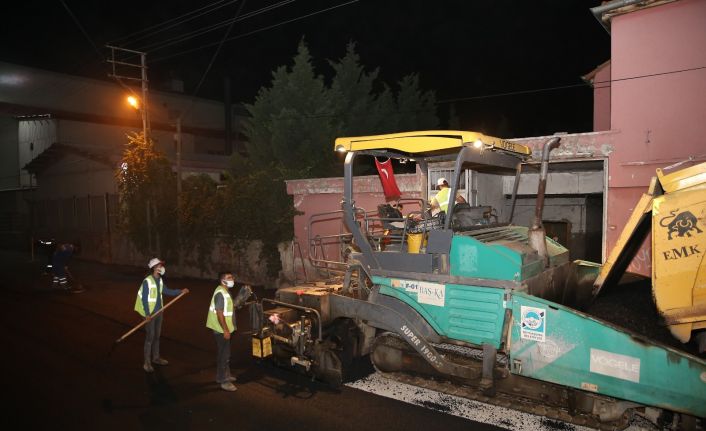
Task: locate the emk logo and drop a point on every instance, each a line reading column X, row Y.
column 681, row 224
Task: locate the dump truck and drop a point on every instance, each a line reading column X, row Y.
column 468, row 304
column 673, row 210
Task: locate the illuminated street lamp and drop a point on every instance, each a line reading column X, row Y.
column 132, row 101
column 135, row 102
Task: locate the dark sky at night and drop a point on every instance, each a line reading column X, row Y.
column 461, row 49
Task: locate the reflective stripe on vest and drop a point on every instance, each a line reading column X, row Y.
column 212, row 318
column 151, row 296
column 442, row 198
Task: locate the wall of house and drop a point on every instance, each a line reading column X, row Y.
column 601, row 99
column 661, row 117
column 53, row 91
column 112, row 138
column 34, row 136
column 9, row 154
column 74, row 175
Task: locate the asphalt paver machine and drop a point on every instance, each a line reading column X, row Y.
column 479, row 307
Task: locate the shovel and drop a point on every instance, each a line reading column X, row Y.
column 144, row 322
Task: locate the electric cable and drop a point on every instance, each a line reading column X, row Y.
column 126, row 39
column 255, row 31
column 213, row 58
column 80, row 27
column 505, row 94
column 562, row 87
column 207, row 29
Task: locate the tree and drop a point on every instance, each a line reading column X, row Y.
column 365, row 111
column 454, row 123
column 416, row 109
column 200, row 214
column 295, row 120
column 256, row 207
column 290, row 123
column 355, row 101
column 147, row 187
column 290, row 133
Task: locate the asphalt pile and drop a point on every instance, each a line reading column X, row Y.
column 631, row 306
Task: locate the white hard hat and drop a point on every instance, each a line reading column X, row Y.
column 441, row 181
column 154, row 261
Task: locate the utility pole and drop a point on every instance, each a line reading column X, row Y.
column 130, row 68
column 178, row 155
column 178, row 196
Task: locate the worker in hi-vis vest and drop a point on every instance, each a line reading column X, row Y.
column 148, row 302
column 441, row 200
column 221, row 320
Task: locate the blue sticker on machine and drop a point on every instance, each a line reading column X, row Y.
column 533, row 323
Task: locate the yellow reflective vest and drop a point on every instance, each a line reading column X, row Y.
column 442, row 198
column 154, row 290
column 212, row 318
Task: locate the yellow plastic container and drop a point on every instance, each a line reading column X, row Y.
column 414, row 242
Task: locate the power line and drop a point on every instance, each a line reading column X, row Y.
column 78, row 24
column 255, row 31
column 215, row 6
column 504, row 94
column 201, row 31
column 510, row 93
column 649, row 75
column 562, row 87
column 213, row 58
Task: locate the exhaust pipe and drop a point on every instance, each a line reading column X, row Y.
column 537, row 235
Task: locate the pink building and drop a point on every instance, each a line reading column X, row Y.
column 654, row 92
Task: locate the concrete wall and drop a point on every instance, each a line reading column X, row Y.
column 91, row 221
column 582, row 213
column 490, row 192
column 585, row 182
column 574, row 146
column 314, row 196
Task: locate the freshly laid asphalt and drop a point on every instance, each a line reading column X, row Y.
column 63, row 369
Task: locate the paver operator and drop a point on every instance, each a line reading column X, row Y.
column 441, row 200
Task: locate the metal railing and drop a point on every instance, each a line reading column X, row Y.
column 379, row 231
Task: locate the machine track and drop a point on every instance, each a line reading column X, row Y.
column 473, row 392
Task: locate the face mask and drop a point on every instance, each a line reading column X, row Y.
column 229, row 283
column 161, row 271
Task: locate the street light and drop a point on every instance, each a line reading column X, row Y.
column 135, row 103
column 132, row 101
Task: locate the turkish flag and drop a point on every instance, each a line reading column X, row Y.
column 387, row 178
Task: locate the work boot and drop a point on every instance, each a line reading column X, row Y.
column 160, row 361
column 228, row 386
column 147, row 367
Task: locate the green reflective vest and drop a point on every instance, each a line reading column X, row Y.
column 442, row 198
column 212, row 318
column 151, row 296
